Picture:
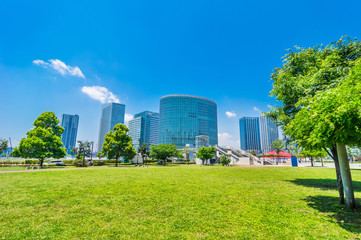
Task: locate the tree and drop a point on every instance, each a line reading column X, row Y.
column 3, row 145
column 253, row 153
column 143, row 150
column 43, row 141
column 313, row 154
column 304, row 73
column 225, row 159
column 187, row 152
column 163, row 152
column 332, row 117
column 118, row 143
column 206, row 153
column 277, row 145
column 82, row 150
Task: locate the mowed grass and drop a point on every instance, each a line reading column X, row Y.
column 176, row 202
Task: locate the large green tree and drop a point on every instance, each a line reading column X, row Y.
column 333, row 117
column 118, row 143
column 43, row 141
column 163, row 152
column 305, row 73
column 206, row 153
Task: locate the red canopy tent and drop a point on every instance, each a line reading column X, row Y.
column 279, row 155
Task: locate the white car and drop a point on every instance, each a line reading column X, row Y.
column 55, row 163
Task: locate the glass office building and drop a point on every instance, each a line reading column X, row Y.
column 70, row 125
column 112, row 113
column 268, row 133
column 183, row 117
column 250, row 134
column 144, row 127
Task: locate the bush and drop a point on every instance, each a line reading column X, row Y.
column 31, row 162
column 99, row 163
column 224, row 160
column 79, row 163
column 68, row 162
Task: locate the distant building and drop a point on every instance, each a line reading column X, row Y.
column 202, row 141
column 183, row 117
column 144, row 127
column 112, row 113
column 250, row 134
column 70, row 125
column 268, row 133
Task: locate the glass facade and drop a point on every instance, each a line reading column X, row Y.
column 144, row 126
column 202, row 141
column 183, row 117
column 250, row 134
column 70, row 125
column 268, row 132
column 112, row 113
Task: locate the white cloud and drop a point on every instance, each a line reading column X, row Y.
column 256, row 109
column 231, row 114
column 128, row 117
column 100, row 94
column 226, row 139
column 60, row 67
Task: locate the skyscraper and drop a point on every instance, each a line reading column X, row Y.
column 268, row 133
column 70, row 125
column 144, row 127
column 250, row 134
column 112, row 113
column 183, row 117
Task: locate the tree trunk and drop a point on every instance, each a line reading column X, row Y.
column 311, row 158
column 84, row 159
column 346, row 176
column 116, row 162
column 338, row 175
column 322, row 161
column 41, row 163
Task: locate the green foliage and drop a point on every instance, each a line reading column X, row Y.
column 163, row 152
column 3, row 145
column 78, row 162
column 118, row 143
column 225, row 160
column 277, row 145
column 253, row 153
column 31, row 162
column 43, row 141
column 83, row 150
column 332, row 116
column 206, row 153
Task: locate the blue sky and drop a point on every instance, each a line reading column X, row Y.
column 137, row 51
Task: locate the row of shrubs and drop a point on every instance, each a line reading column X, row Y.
column 76, row 162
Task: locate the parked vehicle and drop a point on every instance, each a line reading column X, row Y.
column 55, row 163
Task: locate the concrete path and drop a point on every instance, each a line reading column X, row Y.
column 43, row 170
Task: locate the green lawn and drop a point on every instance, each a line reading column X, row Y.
column 176, row 202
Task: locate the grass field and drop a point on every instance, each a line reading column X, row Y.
column 176, row 202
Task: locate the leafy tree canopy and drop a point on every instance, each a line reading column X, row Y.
column 3, row 145
column 43, row 141
column 206, row 153
column 163, row 151
column 118, row 143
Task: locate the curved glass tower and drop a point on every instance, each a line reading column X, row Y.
column 183, row 117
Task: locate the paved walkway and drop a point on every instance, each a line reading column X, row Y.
column 42, row 170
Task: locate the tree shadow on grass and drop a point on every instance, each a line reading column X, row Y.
column 323, row 183
column 345, row 218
